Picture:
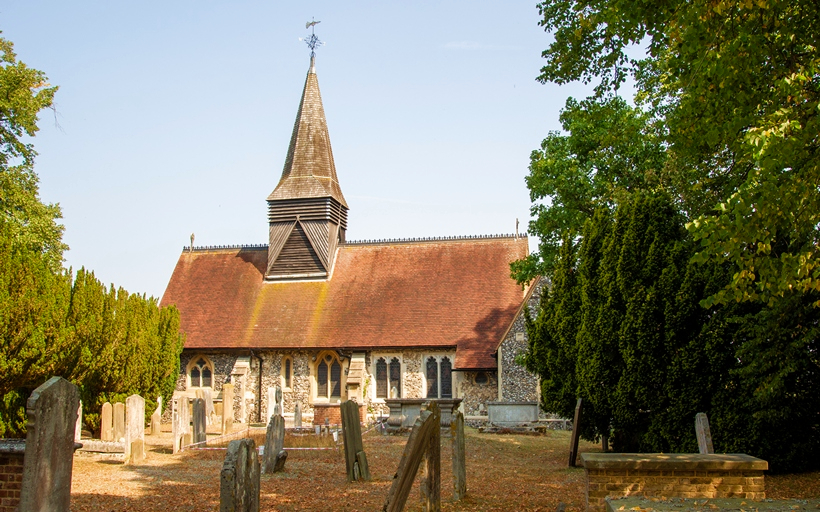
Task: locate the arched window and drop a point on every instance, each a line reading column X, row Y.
column 287, row 372
column 329, row 377
column 446, row 378
column 439, row 377
column 200, row 373
column 388, row 378
column 432, row 378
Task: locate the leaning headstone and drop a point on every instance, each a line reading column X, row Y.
column 297, row 415
column 106, row 428
column 239, row 479
column 135, row 429
column 49, row 456
column 119, row 421
column 459, row 456
column 200, row 420
column 210, row 412
column 355, row 459
column 274, row 445
column 227, row 408
column 576, row 434
column 78, row 428
column 703, row 433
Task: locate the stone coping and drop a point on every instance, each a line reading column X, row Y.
column 637, row 504
column 673, row 461
column 512, row 403
column 12, row 446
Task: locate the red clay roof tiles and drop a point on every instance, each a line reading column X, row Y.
column 435, row 294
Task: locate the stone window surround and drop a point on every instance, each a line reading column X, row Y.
column 388, row 356
column 193, row 363
column 283, row 378
column 438, row 356
column 314, row 378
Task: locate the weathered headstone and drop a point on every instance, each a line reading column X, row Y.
column 156, row 418
column 78, row 428
column 576, row 434
column 200, row 420
column 159, row 406
column 119, row 421
column 352, row 435
column 135, row 429
column 274, row 445
column 106, row 427
column 431, row 483
column 459, row 456
column 297, row 415
column 210, row 412
column 426, row 431
column 703, row 433
column 239, row 479
column 227, row 408
column 49, row 456
column 180, row 423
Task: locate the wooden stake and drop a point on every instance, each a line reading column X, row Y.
column 576, row 434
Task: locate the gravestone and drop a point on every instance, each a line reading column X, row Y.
column 49, row 456
column 576, row 434
column 239, row 479
column 119, row 421
column 156, row 418
column 200, row 420
column 180, row 423
column 210, row 412
column 274, row 445
column 135, row 429
column 78, row 428
column 703, row 433
column 106, row 427
column 355, row 458
column 459, row 456
column 297, row 415
column 227, row 408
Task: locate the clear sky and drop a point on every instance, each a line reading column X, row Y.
column 174, row 118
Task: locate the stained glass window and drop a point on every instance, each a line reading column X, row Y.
column 432, row 378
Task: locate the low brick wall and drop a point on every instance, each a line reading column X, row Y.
column 332, row 413
column 680, row 475
column 12, row 452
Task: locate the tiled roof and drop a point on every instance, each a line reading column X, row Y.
column 387, row 295
column 309, row 167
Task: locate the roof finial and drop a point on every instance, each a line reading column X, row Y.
column 312, row 41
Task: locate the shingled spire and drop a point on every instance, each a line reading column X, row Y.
column 307, row 212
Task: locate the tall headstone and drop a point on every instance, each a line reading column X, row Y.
column 274, row 445
column 200, row 420
column 576, row 434
column 239, row 479
column 181, row 423
column 355, row 459
column 119, row 421
column 49, row 457
column 210, row 412
column 459, row 456
column 227, row 408
column 159, row 406
column 106, row 427
column 78, row 428
column 156, row 418
column 135, row 429
column 703, row 433
column 297, row 415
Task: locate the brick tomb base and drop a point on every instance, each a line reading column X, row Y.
column 679, row 475
column 332, row 413
column 12, row 452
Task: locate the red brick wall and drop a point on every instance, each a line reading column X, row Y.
column 332, row 412
column 11, row 480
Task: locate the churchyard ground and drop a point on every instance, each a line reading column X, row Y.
column 504, row 472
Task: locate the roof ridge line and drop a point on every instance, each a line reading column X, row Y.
column 430, row 239
column 188, row 248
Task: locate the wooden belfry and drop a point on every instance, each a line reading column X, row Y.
column 307, row 213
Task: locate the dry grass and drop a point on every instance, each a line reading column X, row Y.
column 504, row 472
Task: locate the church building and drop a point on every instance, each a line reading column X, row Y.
column 329, row 320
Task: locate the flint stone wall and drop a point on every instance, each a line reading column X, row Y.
column 517, row 384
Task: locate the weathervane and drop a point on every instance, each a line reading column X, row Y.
column 312, row 41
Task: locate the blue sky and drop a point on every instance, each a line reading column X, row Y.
column 174, row 118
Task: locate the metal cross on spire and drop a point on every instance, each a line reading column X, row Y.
column 312, row 41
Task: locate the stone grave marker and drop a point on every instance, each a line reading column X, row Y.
column 119, row 421
column 275, row 455
column 355, row 458
column 297, row 415
column 227, row 408
column 180, row 423
column 576, row 434
column 49, row 456
column 135, row 429
column 423, row 442
column 210, row 412
column 106, row 427
column 703, row 433
column 459, row 456
column 239, row 479
column 200, row 420
column 78, row 428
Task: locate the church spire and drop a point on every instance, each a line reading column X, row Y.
column 307, row 213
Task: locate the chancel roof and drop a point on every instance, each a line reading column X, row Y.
column 436, row 294
column 309, row 167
